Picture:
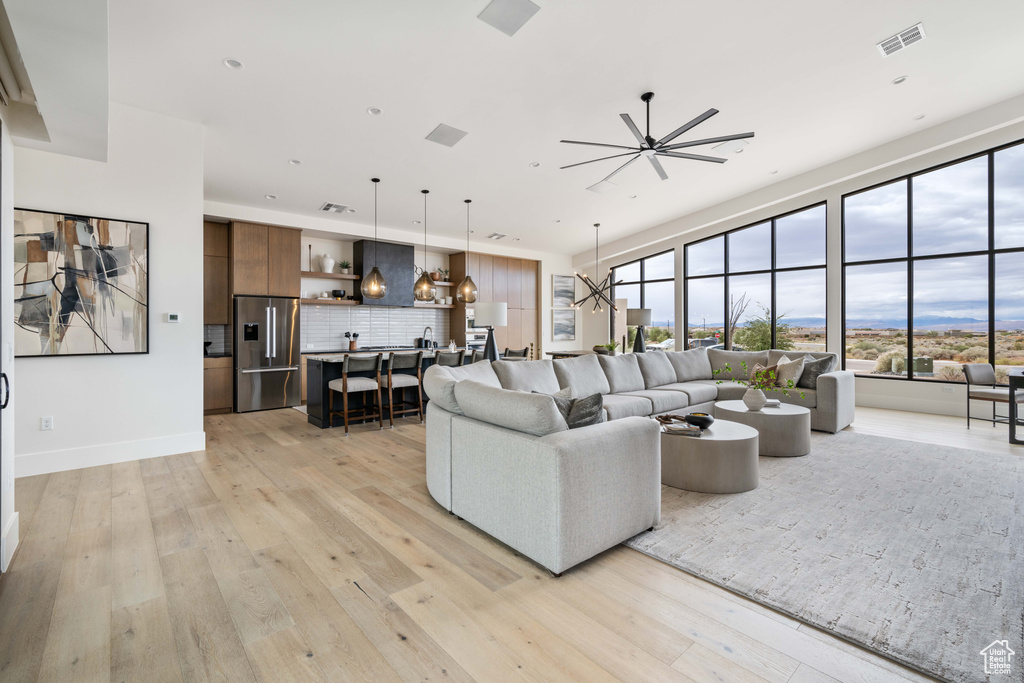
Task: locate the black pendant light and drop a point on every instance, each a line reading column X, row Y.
column 425, row 289
column 466, row 293
column 374, row 286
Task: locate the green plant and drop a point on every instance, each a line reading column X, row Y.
column 444, row 273
column 611, row 346
column 756, row 335
column 893, row 361
column 345, row 264
column 764, row 379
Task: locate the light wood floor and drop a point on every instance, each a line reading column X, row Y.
column 287, row 553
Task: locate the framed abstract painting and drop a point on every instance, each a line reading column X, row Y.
column 563, row 325
column 563, row 291
column 81, row 285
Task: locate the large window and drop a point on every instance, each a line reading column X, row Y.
column 759, row 287
column 934, row 270
column 649, row 283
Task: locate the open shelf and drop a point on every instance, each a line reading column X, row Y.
column 424, row 304
column 328, row 302
column 443, row 284
column 328, row 276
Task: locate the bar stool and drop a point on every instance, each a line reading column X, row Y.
column 514, row 353
column 478, row 355
column 346, row 385
column 401, row 380
column 449, row 358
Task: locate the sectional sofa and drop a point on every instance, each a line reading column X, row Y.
column 501, row 456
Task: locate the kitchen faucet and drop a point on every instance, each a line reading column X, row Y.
column 425, row 330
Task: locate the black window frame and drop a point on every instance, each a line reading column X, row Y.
column 641, row 282
column 991, row 252
column 773, row 270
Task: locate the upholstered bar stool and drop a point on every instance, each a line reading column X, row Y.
column 404, row 370
column 347, row 384
column 449, row 358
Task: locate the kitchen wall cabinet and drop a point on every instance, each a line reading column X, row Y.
column 501, row 278
column 216, row 297
column 265, row 260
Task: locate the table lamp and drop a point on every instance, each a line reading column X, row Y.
column 641, row 317
column 490, row 315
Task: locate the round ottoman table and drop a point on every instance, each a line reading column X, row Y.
column 784, row 431
column 722, row 460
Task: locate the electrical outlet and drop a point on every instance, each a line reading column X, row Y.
column 947, row 390
column 46, row 423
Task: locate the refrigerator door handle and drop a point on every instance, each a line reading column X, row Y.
column 268, row 331
column 273, row 354
column 291, row 368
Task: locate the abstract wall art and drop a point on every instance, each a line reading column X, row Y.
column 563, row 291
column 81, row 285
column 563, row 325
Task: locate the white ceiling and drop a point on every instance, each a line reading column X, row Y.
column 803, row 74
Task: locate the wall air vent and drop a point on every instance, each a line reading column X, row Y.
column 331, row 207
column 496, row 236
column 905, row 38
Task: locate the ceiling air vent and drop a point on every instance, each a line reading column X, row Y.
column 331, row 207
column 446, row 135
column 914, row 34
column 496, row 236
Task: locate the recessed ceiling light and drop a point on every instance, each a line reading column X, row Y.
column 632, row 196
column 295, row 162
column 557, row 220
column 270, row 196
column 898, row 80
column 534, row 164
column 731, row 146
column 374, row 111
column 233, row 64
column 416, row 222
column 919, row 117
column 350, row 210
column 773, row 172
column 515, row 239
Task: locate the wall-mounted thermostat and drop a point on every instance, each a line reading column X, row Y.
column 171, row 318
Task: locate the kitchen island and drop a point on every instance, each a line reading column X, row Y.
column 321, row 368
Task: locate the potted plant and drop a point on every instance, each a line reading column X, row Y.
column 346, row 267
column 607, row 349
column 443, row 272
column 757, row 383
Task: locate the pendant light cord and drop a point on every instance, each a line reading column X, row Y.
column 468, row 202
column 425, row 192
column 375, row 181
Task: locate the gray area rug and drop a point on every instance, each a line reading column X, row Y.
column 911, row 550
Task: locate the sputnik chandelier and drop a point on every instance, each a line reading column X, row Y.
column 597, row 290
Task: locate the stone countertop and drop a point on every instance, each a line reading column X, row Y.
column 339, row 356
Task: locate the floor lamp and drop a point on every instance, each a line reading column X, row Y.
column 641, row 317
column 490, row 315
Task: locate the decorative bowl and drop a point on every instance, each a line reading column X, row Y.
column 338, row 293
column 601, row 350
column 702, row 420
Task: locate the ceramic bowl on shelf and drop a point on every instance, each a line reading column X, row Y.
column 702, row 420
column 338, row 293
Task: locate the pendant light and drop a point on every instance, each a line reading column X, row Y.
column 466, row 293
column 373, row 285
column 425, row 289
column 598, row 291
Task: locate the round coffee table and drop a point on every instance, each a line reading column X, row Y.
column 722, row 460
column 784, row 431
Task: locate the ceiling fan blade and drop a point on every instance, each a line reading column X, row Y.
column 634, row 130
column 596, row 144
column 686, row 126
column 658, row 167
column 706, row 141
column 616, row 171
column 614, row 156
column 694, row 157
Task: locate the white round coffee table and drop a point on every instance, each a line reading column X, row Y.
column 722, row 460
column 784, row 431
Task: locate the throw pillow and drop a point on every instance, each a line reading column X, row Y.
column 789, row 371
column 813, row 368
column 763, row 371
column 579, row 412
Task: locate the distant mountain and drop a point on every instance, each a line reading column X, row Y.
column 934, row 322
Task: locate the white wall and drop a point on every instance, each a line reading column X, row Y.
column 116, row 408
column 8, row 517
column 996, row 125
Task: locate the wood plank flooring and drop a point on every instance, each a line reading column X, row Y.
column 287, row 553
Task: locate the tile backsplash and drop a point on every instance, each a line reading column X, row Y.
column 323, row 327
column 218, row 335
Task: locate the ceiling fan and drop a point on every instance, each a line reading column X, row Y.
column 652, row 149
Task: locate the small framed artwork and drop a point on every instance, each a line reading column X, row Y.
column 81, row 285
column 563, row 325
column 563, row 291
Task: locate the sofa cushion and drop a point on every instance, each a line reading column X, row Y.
column 534, row 414
column 583, row 374
column 690, row 365
column 727, row 389
column 663, row 401
column 740, row 363
column 579, row 412
column 808, row 400
column 656, row 369
column 528, row 375
column 775, row 354
column 619, row 406
column 623, row 373
column 697, row 392
column 439, row 382
column 813, row 368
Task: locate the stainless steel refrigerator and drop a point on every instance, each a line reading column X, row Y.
column 266, row 352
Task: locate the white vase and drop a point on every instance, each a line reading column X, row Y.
column 327, row 263
column 754, row 399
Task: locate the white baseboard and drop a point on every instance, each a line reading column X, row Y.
column 10, row 541
column 28, row 464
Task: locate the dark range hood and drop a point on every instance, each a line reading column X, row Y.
column 396, row 263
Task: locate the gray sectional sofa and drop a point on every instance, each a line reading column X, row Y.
column 501, row 456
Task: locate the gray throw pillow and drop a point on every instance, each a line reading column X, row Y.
column 579, row 412
column 813, row 368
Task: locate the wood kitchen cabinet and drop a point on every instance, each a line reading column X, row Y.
column 501, row 278
column 265, row 260
column 216, row 297
column 217, row 385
